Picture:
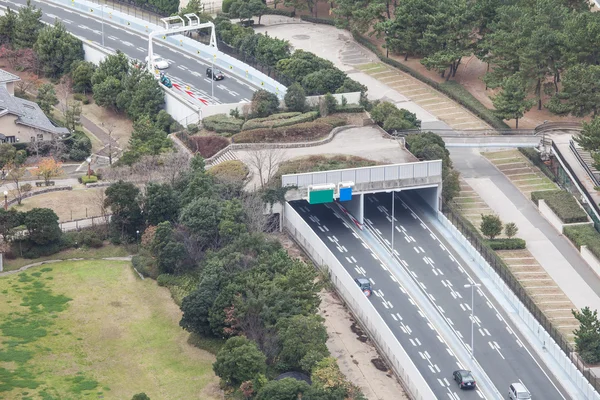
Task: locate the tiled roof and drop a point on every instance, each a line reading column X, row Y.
column 8, row 77
column 28, row 113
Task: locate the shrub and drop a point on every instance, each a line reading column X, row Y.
column 207, row 146
column 507, row 244
column 230, row 171
column 296, row 133
column 295, row 98
column 350, row 108
column 221, row 123
column 193, row 128
column 89, row 179
column 333, row 121
column 584, row 235
column 258, row 123
column 322, row 163
column 264, row 103
column 145, row 265
column 563, row 204
column 226, row 5
column 79, row 96
column 327, row 105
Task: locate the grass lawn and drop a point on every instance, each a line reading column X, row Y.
column 108, row 250
column 66, row 204
column 92, row 329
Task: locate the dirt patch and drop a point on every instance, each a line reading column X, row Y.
column 360, row 335
column 107, row 119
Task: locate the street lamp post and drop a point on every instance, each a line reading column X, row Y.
column 472, row 286
column 89, row 161
column 102, row 7
column 5, row 200
column 212, row 78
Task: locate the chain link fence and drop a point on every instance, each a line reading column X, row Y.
column 470, row 233
column 145, row 12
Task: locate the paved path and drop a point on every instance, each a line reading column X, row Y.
column 552, row 250
column 435, row 110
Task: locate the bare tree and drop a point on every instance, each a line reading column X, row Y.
column 111, row 140
column 99, row 201
column 63, row 92
column 57, row 147
column 175, row 164
column 254, row 207
column 15, row 175
column 265, row 161
column 164, row 169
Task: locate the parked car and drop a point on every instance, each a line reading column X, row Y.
column 464, row 379
column 518, row 391
column 364, row 285
column 159, row 62
column 217, row 75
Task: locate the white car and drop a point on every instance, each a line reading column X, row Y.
column 159, row 62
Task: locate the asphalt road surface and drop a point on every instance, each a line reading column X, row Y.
column 499, row 349
column 410, row 325
column 184, row 69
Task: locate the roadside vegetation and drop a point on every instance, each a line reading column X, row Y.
column 563, row 204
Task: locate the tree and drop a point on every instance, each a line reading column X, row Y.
column 580, row 92
column 511, row 229
column 46, row 98
column 381, row 111
column 8, row 26
column 140, row 396
column 81, row 73
column 246, row 9
column 42, row 226
column 72, row 114
column 326, row 375
column 511, row 102
column 491, row 226
column 239, row 360
column 16, row 173
column 323, row 81
column 7, row 155
column 587, row 336
column 301, row 336
column 264, row 103
column 48, row 168
column 106, row 92
column 265, row 161
column 115, row 66
column 283, row 389
column 122, row 198
column 302, row 63
column 146, row 139
column 327, row 105
column 589, row 139
column 168, row 251
column 202, row 217
column 160, row 204
column 270, row 50
column 147, row 99
column 57, row 49
column 9, row 220
column 80, row 147
column 197, row 305
column 28, row 26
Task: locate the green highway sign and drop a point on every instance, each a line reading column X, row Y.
column 320, row 196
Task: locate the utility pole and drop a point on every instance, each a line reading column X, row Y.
column 472, row 286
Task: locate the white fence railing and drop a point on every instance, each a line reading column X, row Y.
column 361, row 307
column 394, row 172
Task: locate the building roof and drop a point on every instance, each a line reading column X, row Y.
column 8, row 77
column 28, row 113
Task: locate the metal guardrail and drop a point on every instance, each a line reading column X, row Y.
column 583, row 163
column 554, row 126
column 468, row 132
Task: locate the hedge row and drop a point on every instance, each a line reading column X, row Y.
column 308, row 18
column 332, row 120
column 534, row 156
column 283, row 115
column 298, row 119
column 584, row 235
column 305, row 132
column 563, row 204
column 506, row 244
column 451, row 89
column 350, row 108
column 275, row 11
column 221, row 123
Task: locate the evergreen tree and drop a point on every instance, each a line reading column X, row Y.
column 57, row 49
column 8, row 26
column 28, row 26
column 587, row 337
column 511, row 102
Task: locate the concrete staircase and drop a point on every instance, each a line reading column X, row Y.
column 227, row 156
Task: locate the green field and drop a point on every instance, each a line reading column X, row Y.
column 92, row 330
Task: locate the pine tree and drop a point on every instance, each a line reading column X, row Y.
column 511, row 102
column 28, row 26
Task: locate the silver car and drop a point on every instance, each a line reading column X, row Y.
column 518, row 391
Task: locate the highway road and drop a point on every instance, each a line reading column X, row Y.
column 426, row 347
column 499, row 348
column 184, row 69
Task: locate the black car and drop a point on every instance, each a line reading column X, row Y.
column 364, row 285
column 217, row 75
column 464, row 379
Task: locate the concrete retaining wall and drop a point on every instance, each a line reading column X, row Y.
column 387, row 344
column 550, row 216
column 591, row 259
column 525, row 319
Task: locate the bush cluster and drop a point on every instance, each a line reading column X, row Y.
column 584, row 235
column 507, row 244
column 258, row 123
column 222, row 123
column 230, row 171
column 304, row 132
column 563, row 204
column 89, row 179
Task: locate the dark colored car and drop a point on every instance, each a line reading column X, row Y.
column 364, row 285
column 217, row 75
column 464, row 379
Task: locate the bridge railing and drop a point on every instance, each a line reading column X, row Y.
column 468, row 132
